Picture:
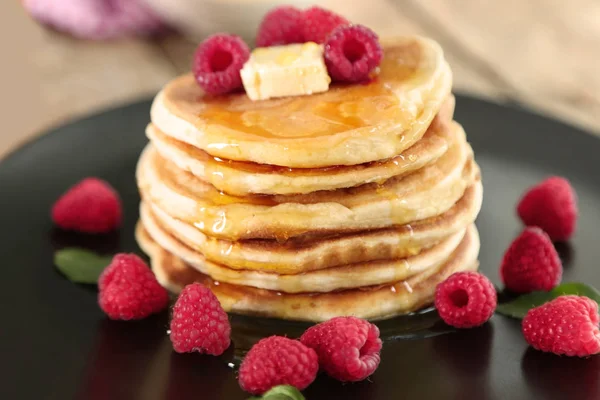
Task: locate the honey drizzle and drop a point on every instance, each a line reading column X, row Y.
column 342, row 108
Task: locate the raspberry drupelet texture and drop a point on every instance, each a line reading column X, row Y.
column 318, row 23
column 351, row 53
column 218, row 62
column 552, row 206
column 531, row 263
column 277, row 360
column 199, row 323
column 280, row 26
column 91, row 206
column 129, row 290
column 348, row 347
column 466, row 299
column 567, row 325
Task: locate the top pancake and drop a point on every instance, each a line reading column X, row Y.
column 347, row 125
column 243, row 178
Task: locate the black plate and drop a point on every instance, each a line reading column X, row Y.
column 56, row 343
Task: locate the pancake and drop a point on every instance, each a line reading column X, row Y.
column 356, row 201
column 325, row 280
column 375, row 302
column 347, row 125
column 308, row 254
column 428, row 192
column 242, row 178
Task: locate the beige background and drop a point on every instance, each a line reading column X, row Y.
column 542, row 53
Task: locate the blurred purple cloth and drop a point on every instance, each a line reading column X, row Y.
column 96, row 19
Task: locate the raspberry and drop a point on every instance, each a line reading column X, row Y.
column 129, row 290
column 465, row 299
column 277, row 360
column 282, row 25
column 218, row 62
column 199, row 322
column 348, row 347
column 96, row 19
column 352, row 52
column 531, row 263
column 552, row 206
column 319, row 23
column 567, row 325
column 91, row 206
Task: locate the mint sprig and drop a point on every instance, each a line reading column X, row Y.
column 519, row 307
column 282, row 392
column 80, row 265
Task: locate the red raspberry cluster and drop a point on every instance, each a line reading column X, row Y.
column 346, row 348
column 567, row 325
column 549, row 211
column 351, row 52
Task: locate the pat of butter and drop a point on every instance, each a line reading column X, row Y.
column 291, row 70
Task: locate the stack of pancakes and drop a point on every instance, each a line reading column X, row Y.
column 357, row 201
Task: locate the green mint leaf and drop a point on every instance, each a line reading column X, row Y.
column 281, row 392
column 80, row 265
column 518, row 307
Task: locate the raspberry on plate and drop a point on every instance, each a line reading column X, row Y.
column 280, row 26
column 129, row 290
column 531, row 263
column 466, row 299
column 567, row 325
column 351, row 53
column 199, row 323
column 91, row 206
column 318, row 23
column 277, row 360
column 348, row 347
column 552, row 206
column 218, row 62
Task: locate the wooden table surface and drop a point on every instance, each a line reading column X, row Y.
column 544, row 54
